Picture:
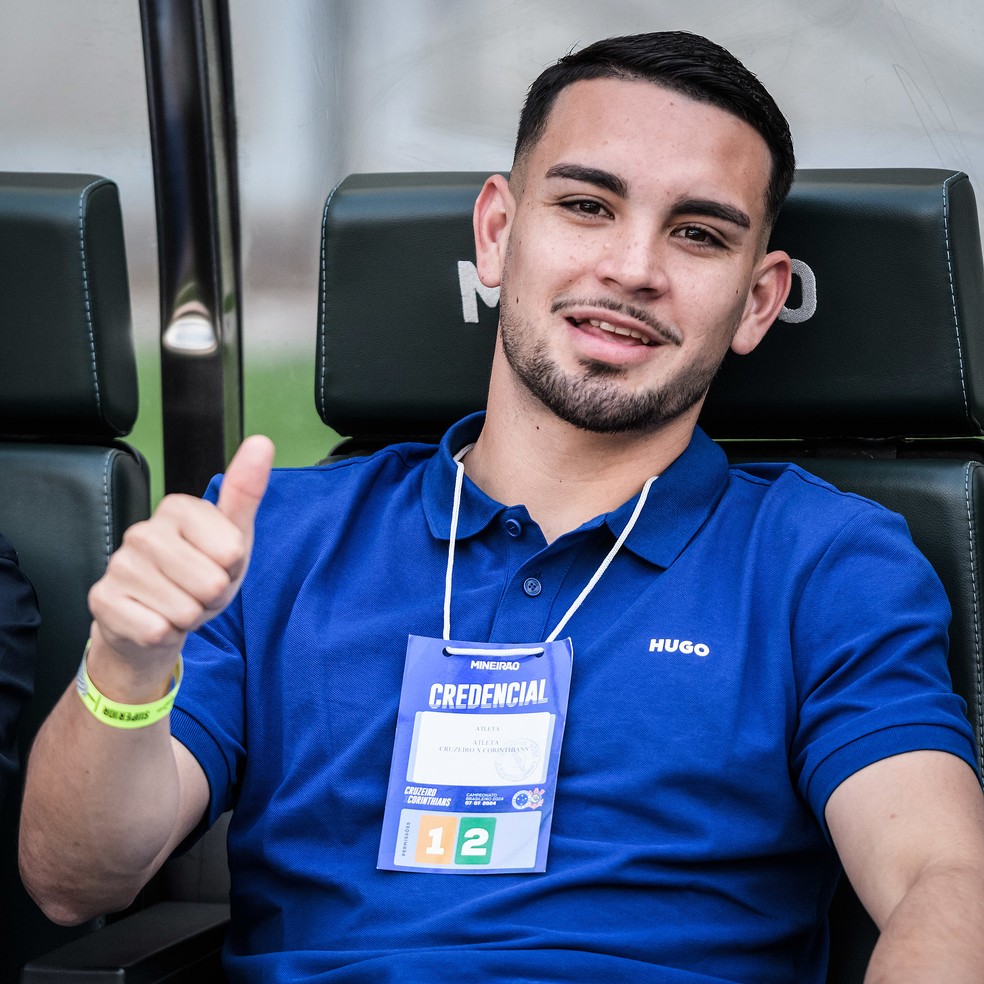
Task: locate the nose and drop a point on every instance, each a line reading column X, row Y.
column 631, row 258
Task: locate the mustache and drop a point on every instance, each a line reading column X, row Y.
column 666, row 333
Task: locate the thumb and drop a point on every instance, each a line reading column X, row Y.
column 245, row 481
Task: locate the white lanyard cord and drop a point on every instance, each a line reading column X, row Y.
column 455, row 510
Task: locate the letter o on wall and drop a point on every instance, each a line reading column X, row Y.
column 808, row 304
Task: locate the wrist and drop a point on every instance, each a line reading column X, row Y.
column 127, row 714
column 125, row 678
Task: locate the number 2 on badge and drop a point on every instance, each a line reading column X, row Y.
column 475, row 840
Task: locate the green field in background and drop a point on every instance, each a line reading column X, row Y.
column 279, row 402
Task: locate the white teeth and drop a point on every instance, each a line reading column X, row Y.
column 619, row 330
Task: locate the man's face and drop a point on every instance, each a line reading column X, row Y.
column 632, row 242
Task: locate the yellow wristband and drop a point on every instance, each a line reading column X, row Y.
column 118, row 715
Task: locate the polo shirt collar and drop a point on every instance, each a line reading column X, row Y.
column 477, row 510
column 679, row 501
column 678, row 504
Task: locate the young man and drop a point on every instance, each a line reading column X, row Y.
column 704, row 790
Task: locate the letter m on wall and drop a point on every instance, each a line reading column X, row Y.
column 471, row 289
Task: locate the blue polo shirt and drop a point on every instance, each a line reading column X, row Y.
column 759, row 637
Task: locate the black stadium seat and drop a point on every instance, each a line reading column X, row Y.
column 68, row 486
column 874, row 377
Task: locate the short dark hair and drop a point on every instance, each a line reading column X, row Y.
column 686, row 63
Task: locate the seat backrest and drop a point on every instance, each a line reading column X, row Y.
column 68, row 486
column 873, row 377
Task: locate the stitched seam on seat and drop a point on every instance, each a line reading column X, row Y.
column 324, row 294
column 107, row 514
column 953, row 290
column 86, row 299
column 978, row 674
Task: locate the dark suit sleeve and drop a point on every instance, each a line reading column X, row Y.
column 19, row 621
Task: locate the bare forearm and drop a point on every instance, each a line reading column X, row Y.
column 936, row 933
column 100, row 805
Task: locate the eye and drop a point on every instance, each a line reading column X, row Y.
column 586, row 206
column 699, row 236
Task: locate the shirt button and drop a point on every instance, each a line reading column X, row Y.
column 513, row 526
column 532, row 587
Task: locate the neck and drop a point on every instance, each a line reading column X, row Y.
column 562, row 474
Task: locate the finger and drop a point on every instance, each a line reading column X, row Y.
column 134, row 631
column 184, row 584
column 171, row 574
column 245, row 481
column 184, row 533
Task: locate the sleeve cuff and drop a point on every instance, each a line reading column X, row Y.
column 865, row 751
column 203, row 746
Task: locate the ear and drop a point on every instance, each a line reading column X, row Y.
column 492, row 218
column 766, row 296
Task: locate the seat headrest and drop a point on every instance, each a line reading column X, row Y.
column 881, row 336
column 67, row 366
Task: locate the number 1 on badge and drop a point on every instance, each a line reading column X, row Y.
column 436, row 839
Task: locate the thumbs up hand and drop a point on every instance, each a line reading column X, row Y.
column 173, row 573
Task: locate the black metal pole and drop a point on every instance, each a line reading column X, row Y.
column 188, row 60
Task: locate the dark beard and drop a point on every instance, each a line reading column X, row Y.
column 593, row 401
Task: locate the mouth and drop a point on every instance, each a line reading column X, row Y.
column 610, row 318
column 607, row 326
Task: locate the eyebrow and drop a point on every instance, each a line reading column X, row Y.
column 591, row 175
column 713, row 210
